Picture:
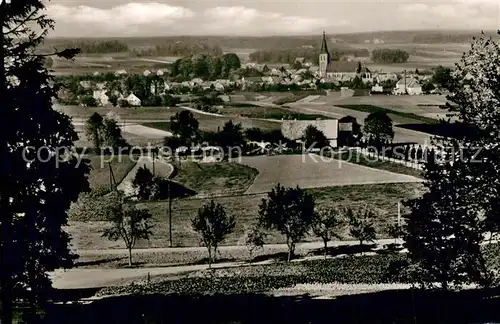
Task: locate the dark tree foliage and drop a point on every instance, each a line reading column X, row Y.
column 447, row 224
column 184, row 125
column 97, row 46
column 288, row 55
column 289, row 211
column 326, row 225
column 442, row 77
column 143, row 183
column 213, row 225
column 388, row 55
column 205, row 66
column 34, row 196
column 231, row 138
column 379, row 125
column 314, row 138
column 427, row 87
column 361, row 224
column 130, row 224
column 93, row 130
column 180, row 48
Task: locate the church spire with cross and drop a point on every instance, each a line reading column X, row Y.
column 324, row 56
column 324, row 45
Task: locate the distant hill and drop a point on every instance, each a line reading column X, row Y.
column 284, row 42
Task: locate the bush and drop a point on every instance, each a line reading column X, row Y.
column 390, row 56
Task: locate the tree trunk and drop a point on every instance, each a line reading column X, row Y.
column 215, row 253
column 325, row 241
column 5, row 261
column 209, row 257
column 129, row 257
column 291, row 250
column 6, row 296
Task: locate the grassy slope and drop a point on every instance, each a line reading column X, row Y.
column 372, row 109
column 99, row 174
column 215, row 178
column 382, row 198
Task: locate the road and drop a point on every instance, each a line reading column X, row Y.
column 95, row 278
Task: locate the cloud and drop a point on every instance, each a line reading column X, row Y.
column 258, row 18
column 242, row 20
column 462, row 14
column 126, row 18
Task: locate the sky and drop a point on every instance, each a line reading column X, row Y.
column 115, row 18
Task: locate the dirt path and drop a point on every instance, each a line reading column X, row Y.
column 94, row 278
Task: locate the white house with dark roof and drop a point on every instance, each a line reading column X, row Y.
column 133, row 100
column 408, row 85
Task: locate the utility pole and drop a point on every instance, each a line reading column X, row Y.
column 169, row 215
column 112, row 180
column 405, row 81
column 153, row 162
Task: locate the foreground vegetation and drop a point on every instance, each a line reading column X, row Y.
column 382, row 198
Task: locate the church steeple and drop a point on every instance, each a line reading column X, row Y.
column 324, row 45
column 324, row 57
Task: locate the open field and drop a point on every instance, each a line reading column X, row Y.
column 311, row 171
column 99, row 173
column 150, row 115
column 382, row 198
column 394, row 114
column 134, row 134
column 215, row 178
column 268, row 113
column 87, row 64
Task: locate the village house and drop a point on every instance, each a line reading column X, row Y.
column 377, row 88
column 101, row 97
column 86, row 84
column 294, row 129
column 218, row 86
column 133, row 100
column 100, row 85
column 382, row 77
column 408, row 85
column 146, row 73
column 120, row 72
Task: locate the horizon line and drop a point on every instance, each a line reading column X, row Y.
column 294, row 35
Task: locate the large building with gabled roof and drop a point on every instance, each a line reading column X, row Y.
column 340, row 70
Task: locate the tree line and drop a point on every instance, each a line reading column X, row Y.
column 179, row 49
column 288, row 56
column 207, row 67
column 387, row 55
column 98, row 46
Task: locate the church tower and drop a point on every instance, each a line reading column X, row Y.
column 324, row 57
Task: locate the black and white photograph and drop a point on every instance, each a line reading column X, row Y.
column 249, row 161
